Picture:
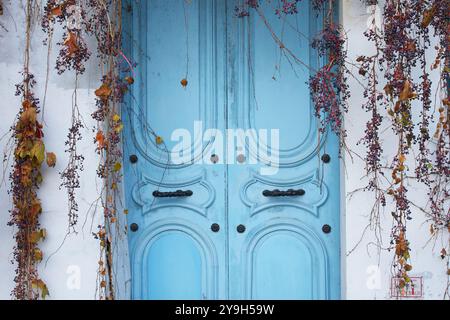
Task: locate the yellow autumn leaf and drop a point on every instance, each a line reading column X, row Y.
column 40, row 285
column 119, row 128
column 117, row 166
column 38, row 254
column 36, row 236
column 116, row 117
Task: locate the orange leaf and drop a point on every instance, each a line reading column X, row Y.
column 72, row 43
column 103, row 92
column 129, row 80
column 28, row 116
column 100, row 138
column 27, row 104
column 56, row 11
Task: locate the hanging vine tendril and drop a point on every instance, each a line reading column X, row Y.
column 26, row 177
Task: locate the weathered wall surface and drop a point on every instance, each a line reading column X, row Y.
column 70, row 263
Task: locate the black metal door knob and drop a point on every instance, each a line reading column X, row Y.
column 134, row 227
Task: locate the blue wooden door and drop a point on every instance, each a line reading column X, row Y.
column 243, row 216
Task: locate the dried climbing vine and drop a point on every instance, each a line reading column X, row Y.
column 73, row 53
column 26, row 177
column 100, row 20
column 401, row 47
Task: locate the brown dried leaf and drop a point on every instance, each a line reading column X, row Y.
column 428, row 17
column 28, row 116
column 407, row 92
column 51, row 159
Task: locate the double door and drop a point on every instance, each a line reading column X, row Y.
column 231, row 191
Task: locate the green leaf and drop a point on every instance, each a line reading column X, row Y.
column 45, row 291
column 40, row 285
column 38, row 151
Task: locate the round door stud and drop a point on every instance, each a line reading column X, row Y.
column 240, row 158
column 240, row 228
column 326, row 158
column 133, row 158
column 134, row 227
column 214, row 158
column 215, row 227
column 326, row 228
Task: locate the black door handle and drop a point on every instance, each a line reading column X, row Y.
column 288, row 193
column 173, row 194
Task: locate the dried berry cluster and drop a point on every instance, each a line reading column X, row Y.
column 328, row 86
column 71, row 15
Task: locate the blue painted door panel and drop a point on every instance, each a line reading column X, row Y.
column 174, row 253
column 283, row 254
column 238, row 78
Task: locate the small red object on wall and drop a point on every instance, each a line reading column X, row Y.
column 414, row 289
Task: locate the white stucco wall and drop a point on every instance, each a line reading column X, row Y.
column 366, row 275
